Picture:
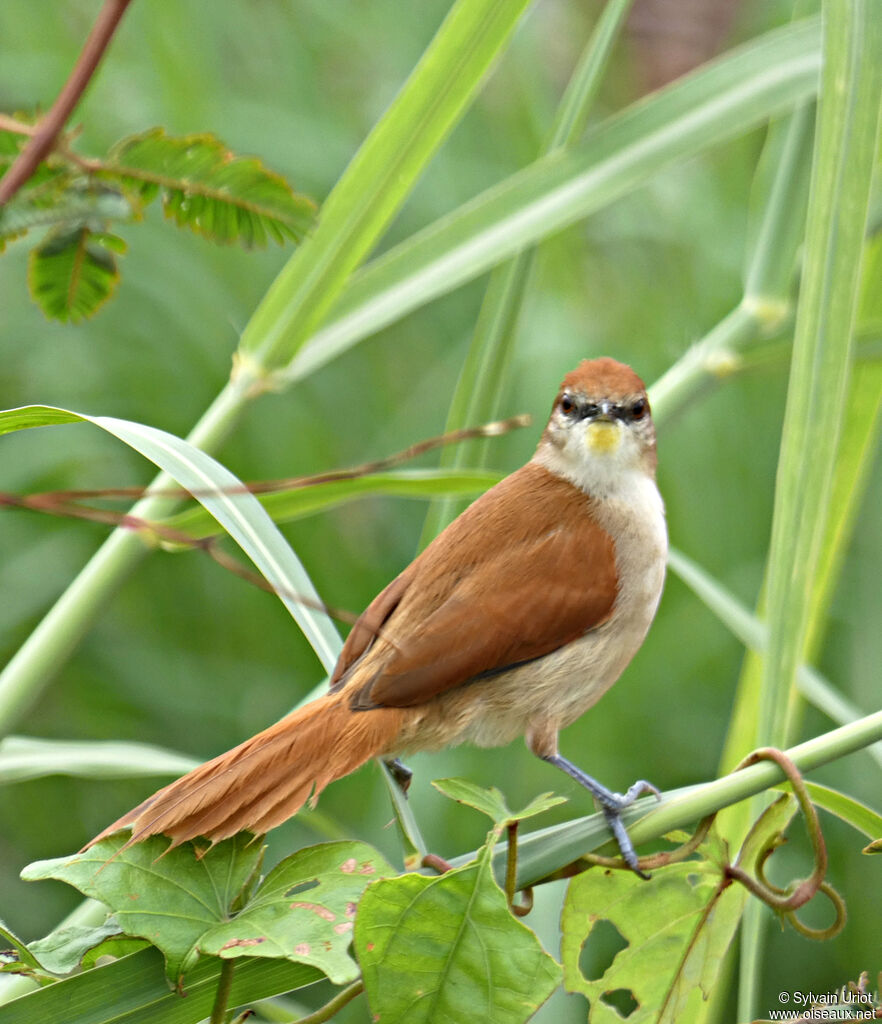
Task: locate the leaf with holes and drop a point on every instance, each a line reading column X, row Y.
column 73, row 273
column 304, row 910
column 448, row 949
column 676, row 930
column 208, row 189
column 169, row 898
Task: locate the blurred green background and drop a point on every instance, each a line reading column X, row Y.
column 191, row 658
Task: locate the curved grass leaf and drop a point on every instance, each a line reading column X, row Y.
column 73, row 273
column 448, row 949
column 206, row 188
column 227, row 499
column 717, row 102
column 304, row 910
column 24, row 758
column 297, row 502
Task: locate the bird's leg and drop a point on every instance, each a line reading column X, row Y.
column 400, row 772
column 612, row 804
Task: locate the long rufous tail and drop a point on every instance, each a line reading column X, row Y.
column 268, row 778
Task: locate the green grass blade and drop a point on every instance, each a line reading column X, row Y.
column 297, row 502
column 842, row 169
column 380, row 177
column 841, row 178
column 484, row 374
column 22, row 758
column 719, row 101
column 133, row 990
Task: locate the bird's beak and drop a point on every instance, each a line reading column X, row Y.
column 603, row 433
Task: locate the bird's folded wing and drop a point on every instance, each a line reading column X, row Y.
column 517, row 602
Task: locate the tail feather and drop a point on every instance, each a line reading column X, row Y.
column 266, row 779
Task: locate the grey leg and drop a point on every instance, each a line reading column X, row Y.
column 611, row 803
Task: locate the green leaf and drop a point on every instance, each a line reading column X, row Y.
column 72, row 207
column 206, row 188
column 491, row 801
column 24, row 758
column 134, row 991
column 304, row 910
column 171, row 898
column 297, row 502
column 63, row 950
column 73, row 273
column 717, row 102
column 380, row 176
column 448, row 949
column 676, row 934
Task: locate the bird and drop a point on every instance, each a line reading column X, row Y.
column 513, row 621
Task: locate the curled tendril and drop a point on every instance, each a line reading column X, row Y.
column 788, row 900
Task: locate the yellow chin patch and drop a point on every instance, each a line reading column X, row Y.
column 602, row 438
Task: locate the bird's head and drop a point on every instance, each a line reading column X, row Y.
column 600, row 427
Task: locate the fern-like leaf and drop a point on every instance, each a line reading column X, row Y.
column 69, row 208
column 74, row 272
column 206, row 188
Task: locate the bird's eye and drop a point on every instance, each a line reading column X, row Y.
column 639, row 409
column 567, row 405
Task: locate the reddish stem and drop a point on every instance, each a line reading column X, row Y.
column 50, row 127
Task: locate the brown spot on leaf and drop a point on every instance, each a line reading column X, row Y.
column 350, row 909
column 367, row 868
column 370, row 947
column 343, row 927
column 236, row 943
column 134, row 895
column 302, row 949
column 316, row 908
column 348, row 866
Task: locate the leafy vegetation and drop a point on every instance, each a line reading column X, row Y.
column 655, row 197
column 203, row 186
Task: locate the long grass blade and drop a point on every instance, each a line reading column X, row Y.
column 717, row 102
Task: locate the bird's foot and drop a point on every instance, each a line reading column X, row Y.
column 612, row 804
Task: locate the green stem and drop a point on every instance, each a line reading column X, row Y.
column 224, row 984
column 327, row 1011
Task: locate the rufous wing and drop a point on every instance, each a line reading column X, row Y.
column 524, row 571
